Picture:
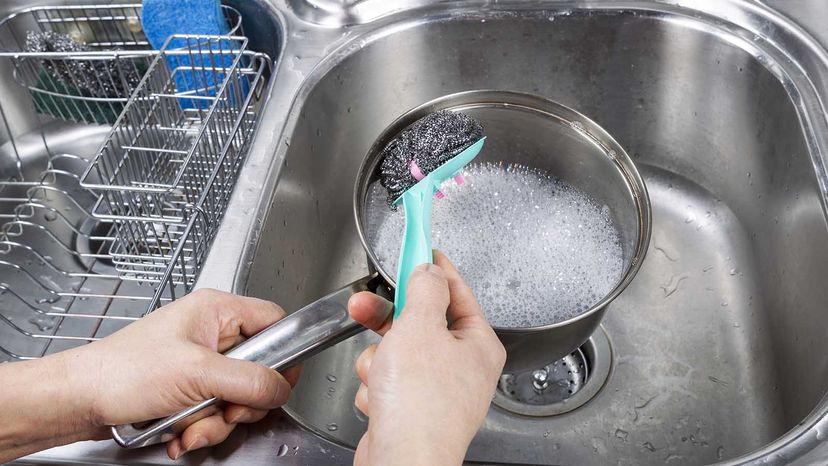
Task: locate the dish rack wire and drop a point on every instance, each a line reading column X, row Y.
column 168, row 166
column 90, row 242
column 89, row 86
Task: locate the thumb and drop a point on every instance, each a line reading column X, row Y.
column 427, row 297
column 244, row 382
column 371, row 311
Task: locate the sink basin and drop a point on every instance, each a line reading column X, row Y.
column 717, row 347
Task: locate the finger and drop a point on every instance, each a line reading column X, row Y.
column 292, row 374
column 371, row 311
column 361, row 454
column 206, row 432
column 240, row 414
column 361, row 399
column 235, row 314
column 174, row 448
column 463, row 309
column 229, row 341
column 427, row 297
column 253, row 314
column 241, row 382
column 363, row 363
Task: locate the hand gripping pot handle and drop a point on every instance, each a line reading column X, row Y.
column 315, row 327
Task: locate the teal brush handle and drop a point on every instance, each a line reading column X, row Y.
column 416, row 244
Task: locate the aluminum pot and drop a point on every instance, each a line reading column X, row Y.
column 539, row 133
column 532, row 131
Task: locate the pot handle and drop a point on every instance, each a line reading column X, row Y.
column 302, row 334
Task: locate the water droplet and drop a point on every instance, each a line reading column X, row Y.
column 717, row 381
column 673, row 285
column 333, row 427
column 283, row 450
column 331, row 377
column 621, row 434
column 733, row 271
column 672, row 457
column 665, row 253
column 649, row 446
column 720, row 453
column 43, row 323
column 707, row 269
column 50, row 216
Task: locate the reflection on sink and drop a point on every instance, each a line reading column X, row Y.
column 718, row 344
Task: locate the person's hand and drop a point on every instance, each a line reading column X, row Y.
column 158, row 366
column 427, row 386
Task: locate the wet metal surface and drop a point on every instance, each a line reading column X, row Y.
column 718, row 345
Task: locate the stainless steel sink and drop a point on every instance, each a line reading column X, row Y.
column 718, row 345
column 715, row 353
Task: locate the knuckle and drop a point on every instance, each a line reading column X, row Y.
column 430, row 285
column 263, row 384
column 276, row 309
column 206, row 296
column 499, row 352
column 363, row 363
column 196, row 367
column 428, row 272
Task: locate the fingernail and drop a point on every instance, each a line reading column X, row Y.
column 282, row 391
column 198, row 442
column 176, row 453
column 387, row 307
column 235, row 419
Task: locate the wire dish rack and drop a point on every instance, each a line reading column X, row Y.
column 170, row 162
column 100, row 224
column 93, row 80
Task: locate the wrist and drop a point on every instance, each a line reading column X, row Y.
column 78, row 396
column 424, row 445
column 42, row 406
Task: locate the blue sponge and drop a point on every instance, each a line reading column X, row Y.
column 163, row 18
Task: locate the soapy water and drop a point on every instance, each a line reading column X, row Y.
column 534, row 250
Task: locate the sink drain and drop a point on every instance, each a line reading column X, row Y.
column 560, row 386
column 91, row 241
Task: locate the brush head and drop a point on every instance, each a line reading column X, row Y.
column 430, row 142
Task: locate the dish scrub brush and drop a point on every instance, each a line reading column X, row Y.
column 414, row 165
